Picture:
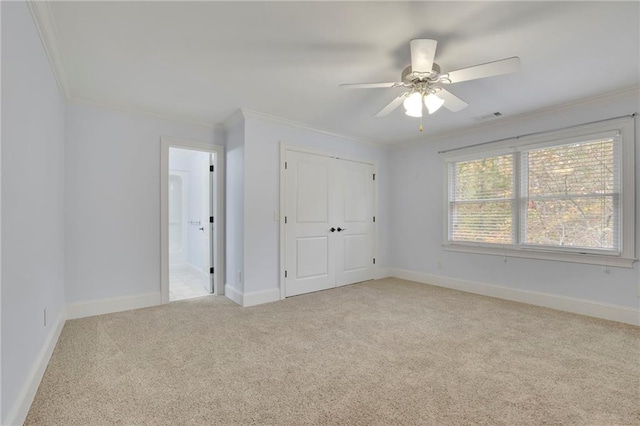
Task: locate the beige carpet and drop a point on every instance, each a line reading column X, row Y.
column 387, row 352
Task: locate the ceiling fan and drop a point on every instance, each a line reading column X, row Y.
column 424, row 81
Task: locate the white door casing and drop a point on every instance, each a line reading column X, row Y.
column 323, row 193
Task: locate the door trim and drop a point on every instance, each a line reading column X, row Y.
column 284, row 147
column 218, row 150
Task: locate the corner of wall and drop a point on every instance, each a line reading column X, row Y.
column 112, row 305
column 18, row 414
column 233, row 294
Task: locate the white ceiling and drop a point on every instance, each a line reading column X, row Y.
column 201, row 61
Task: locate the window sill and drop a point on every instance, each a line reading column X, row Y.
column 592, row 259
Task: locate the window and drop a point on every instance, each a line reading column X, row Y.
column 482, row 198
column 566, row 195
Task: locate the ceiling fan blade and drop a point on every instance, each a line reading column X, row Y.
column 451, row 101
column 422, row 53
column 368, row 85
column 503, row 66
column 395, row 103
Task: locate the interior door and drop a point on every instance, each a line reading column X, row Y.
column 212, row 229
column 309, row 247
column 355, row 248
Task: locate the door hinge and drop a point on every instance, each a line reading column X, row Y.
column 211, row 219
column 285, row 165
column 374, row 176
column 374, row 219
column 285, row 274
column 211, row 270
column 211, row 168
column 374, row 260
column 285, row 219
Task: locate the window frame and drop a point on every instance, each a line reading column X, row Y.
column 626, row 255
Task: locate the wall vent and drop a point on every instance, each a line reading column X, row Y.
column 493, row 115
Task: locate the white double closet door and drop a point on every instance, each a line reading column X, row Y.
column 329, row 229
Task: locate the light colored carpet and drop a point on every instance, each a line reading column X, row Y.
column 386, row 352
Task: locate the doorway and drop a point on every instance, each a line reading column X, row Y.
column 191, row 219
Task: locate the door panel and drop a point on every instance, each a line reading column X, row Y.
column 308, row 245
column 356, row 204
column 312, row 192
column 312, row 256
column 357, row 250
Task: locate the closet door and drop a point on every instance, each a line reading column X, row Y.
column 354, row 218
column 309, row 247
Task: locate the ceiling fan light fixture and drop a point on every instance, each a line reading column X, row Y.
column 433, row 103
column 414, row 112
column 413, row 105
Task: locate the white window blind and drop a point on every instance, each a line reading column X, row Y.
column 571, row 195
column 481, row 200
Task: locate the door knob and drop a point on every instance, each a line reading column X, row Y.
column 341, row 229
column 332, row 229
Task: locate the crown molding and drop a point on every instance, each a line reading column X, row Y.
column 296, row 124
column 143, row 112
column 45, row 24
column 232, row 120
column 618, row 95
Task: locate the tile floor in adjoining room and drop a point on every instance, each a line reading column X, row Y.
column 185, row 284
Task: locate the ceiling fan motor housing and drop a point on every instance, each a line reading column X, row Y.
column 410, row 77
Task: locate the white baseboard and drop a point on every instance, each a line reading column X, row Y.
column 381, row 273
column 116, row 304
column 260, row 297
column 624, row 314
column 233, row 294
column 18, row 414
column 251, row 299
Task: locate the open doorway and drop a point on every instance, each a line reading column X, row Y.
column 191, row 199
column 190, row 232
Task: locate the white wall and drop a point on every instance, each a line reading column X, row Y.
column 113, row 200
column 234, row 215
column 416, row 212
column 0, row 220
column 262, row 189
column 32, row 205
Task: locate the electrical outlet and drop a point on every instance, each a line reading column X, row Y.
column 439, row 264
column 44, row 315
column 605, row 269
column 239, row 276
column 276, row 216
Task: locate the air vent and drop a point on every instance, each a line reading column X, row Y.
column 491, row 116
